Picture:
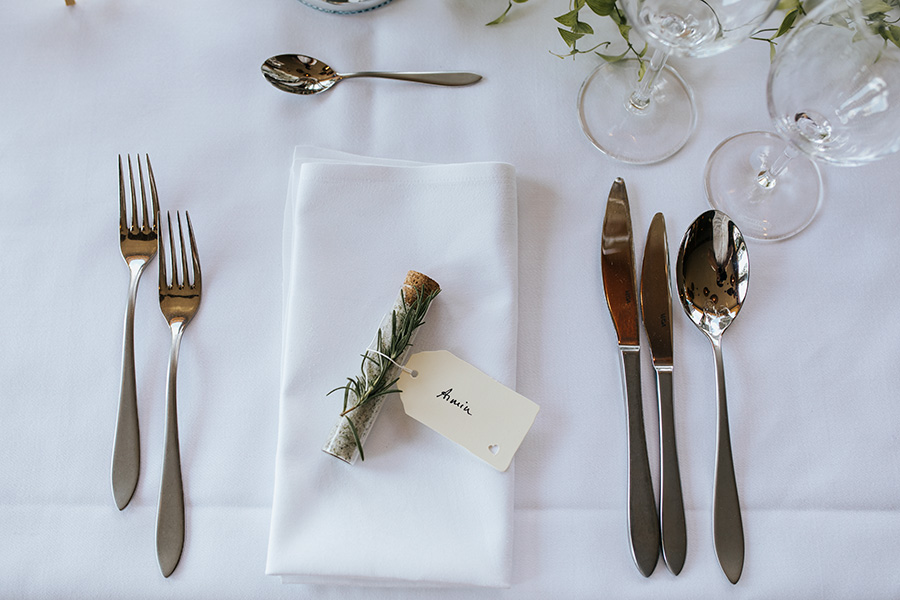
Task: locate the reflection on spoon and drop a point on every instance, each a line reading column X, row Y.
column 712, row 272
column 300, row 74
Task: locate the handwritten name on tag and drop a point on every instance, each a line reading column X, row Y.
column 466, row 406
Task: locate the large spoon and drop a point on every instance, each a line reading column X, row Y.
column 299, row 74
column 713, row 271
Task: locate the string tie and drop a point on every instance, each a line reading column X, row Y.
column 412, row 372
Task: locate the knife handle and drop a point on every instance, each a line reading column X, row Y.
column 671, row 503
column 643, row 523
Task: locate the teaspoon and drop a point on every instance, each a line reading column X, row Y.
column 713, row 272
column 300, row 74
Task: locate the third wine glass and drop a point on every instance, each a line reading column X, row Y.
column 832, row 96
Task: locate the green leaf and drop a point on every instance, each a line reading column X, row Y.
column 617, row 17
column 356, row 438
column 582, row 27
column 869, row 7
column 568, row 37
column 892, row 34
column 788, row 5
column 787, row 23
column 500, row 19
column 603, row 8
column 612, row 58
column 570, row 19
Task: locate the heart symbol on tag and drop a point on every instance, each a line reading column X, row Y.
column 494, row 449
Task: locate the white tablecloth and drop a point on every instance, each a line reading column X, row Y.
column 810, row 362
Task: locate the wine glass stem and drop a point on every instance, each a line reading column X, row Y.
column 767, row 177
column 640, row 98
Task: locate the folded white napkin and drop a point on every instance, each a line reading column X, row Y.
column 420, row 510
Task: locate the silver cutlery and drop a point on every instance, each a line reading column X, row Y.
column 178, row 301
column 656, row 309
column 301, row 74
column 617, row 268
column 713, row 272
column 138, row 241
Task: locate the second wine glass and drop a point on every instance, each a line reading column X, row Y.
column 831, row 96
column 644, row 113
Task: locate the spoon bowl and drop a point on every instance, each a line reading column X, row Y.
column 301, row 74
column 712, row 272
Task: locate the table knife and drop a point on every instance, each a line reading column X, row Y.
column 656, row 308
column 617, row 270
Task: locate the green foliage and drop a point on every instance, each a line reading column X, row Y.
column 792, row 9
column 876, row 12
column 501, row 18
column 573, row 28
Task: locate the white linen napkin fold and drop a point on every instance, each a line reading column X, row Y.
column 420, row 510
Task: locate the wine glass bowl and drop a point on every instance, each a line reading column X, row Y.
column 831, row 97
column 837, row 112
column 682, row 25
column 695, row 28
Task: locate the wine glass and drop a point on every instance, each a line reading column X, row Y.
column 642, row 117
column 832, row 97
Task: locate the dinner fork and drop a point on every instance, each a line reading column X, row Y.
column 138, row 242
column 179, row 302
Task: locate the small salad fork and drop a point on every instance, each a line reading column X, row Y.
column 179, row 302
column 139, row 243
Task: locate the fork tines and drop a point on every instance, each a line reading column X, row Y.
column 183, row 278
column 146, row 225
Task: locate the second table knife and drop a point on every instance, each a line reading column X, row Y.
column 617, row 269
column 656, row 308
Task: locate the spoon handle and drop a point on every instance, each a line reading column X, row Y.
column 438, row 78
column 728, row 530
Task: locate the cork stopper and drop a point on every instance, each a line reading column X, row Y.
column 416, row 281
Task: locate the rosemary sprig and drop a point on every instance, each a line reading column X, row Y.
column 376, row 372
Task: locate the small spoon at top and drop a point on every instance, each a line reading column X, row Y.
column 713, row 271
column 300, row 74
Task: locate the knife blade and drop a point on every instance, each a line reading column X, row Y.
column 656, row 308
column 617, row 271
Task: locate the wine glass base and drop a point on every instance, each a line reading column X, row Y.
column 774, row 213
column 630, row 134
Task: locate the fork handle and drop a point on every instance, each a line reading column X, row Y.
column 126, row 459
column 170, row 512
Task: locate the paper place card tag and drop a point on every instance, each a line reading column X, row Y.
column 466, row 406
